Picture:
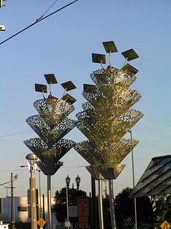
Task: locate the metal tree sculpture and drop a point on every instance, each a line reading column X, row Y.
column 107, row 117
column 51, row 125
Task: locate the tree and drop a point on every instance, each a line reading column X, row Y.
column 162, row 208
column 60, row 203
column 125, row 208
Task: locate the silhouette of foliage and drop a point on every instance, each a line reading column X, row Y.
column 125, row 208
column 60, row 203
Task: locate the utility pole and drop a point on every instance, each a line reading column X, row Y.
column 12, row 201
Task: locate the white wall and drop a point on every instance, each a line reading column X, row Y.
column 20, row 210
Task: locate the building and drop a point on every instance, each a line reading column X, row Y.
column 21, row 210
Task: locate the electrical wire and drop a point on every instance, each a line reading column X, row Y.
column 48, row 9
column 37, row 21
column 8, row 135
column 26, row 169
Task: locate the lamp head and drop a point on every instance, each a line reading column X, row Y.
column 67, row 180
column 31, row 160
column 77, row 180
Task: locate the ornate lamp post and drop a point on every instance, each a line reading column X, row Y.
column 67, row 180
column 51, row 124
column 133, row 182
column 32, row 159
column 67, row 222
column 107, row 116
column 97, row 176
column 78, row 180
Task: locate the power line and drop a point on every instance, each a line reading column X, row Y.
column 26, row 169
column 74, row 166
column 48, row 9
column 37, row 21
column 8, row 135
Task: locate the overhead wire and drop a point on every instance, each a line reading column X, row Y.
column 23, row 169
column 48, row 9
column 8, row 135
column 37, row 21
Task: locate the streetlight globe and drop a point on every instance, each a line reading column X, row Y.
column 77, row 180
column 67, row 180
column 31, row 160
column 31, row 156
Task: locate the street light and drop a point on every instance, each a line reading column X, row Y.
column 2, row 28
column 107, row 115
column 40, row 195
column 77, row 180
column 51, row 125
column 67, row 180
column 133, row 181
column 31, row 160
column 40, row 199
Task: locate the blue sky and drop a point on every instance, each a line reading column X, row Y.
column 62, row 44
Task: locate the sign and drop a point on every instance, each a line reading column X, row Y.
column 72, row 211
column 67, row 223
column 41, row 222
column 165, row 225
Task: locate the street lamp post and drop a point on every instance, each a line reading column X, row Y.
column 40, row 199
column 67, row 180
column 107, row 115
column 51, row 125
column 40, row 195
column 31, row 159
column 133, row 181
column 100, row 201
column 77, row 180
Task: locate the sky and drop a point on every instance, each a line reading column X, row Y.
column 62, row 44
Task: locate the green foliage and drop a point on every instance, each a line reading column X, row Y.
column 125, row 208
column 162, row 207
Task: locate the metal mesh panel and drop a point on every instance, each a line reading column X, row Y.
column 117, row 102
column 107, row 172
column 106, row 118
column 43, row 152
column 94, row 172
column 49, row 167
column 111, row 75
column 105, row 152
column 52, row 110
column 50, row 135
column 105, row 125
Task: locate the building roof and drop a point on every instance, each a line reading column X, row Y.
column 156, row 180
